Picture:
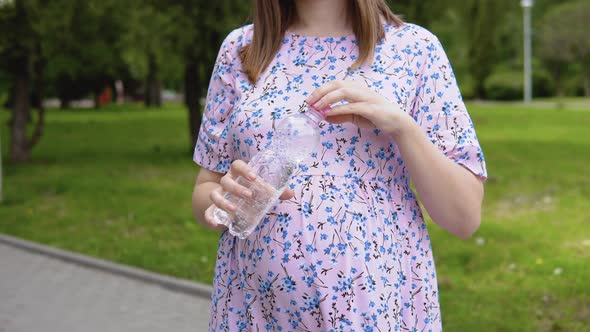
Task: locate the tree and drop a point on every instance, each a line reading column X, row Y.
column 150, row 45
column 63, row 41
column 423, row 13
column 204, row 25
column 564, row 39
column 21, row 58
column 482, row 19
column 80, row 45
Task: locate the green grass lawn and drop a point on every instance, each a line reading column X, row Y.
column 116, row 184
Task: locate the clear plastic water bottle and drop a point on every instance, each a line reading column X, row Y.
column 295, row 138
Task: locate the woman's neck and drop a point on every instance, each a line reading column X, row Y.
column 322, row 18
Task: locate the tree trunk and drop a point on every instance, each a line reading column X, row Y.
column 64, row 102
column 152, row 86
column 19, row 151
column 156, row 92
column 557, row 77
column 39, row 87
column 96, row 99
column 192, row 97
column 65, row 99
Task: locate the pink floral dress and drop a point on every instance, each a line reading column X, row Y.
column 351, row 251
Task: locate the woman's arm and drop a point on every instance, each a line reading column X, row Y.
column 210, row 188
column 451, row 194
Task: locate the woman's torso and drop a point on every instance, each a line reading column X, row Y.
column 353, row 239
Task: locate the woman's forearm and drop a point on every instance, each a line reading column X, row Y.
column 451, row 194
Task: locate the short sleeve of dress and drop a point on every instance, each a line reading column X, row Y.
column 214, row 148
column 440, row 111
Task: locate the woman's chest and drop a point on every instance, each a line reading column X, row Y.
column 299, row 69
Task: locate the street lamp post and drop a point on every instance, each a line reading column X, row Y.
column 528, row 71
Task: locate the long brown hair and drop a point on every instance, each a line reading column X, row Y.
column 272, row 18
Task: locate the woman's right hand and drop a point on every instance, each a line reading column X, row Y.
column 230, row 185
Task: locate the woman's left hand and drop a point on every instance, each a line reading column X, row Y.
column 365, row 108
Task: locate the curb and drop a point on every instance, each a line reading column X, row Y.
column 174, row 284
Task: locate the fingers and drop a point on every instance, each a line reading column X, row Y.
column 340, row 119
column 362, row 108
column 361, row 115
column 235, row 187
column 229, row 184
column 232, row 186
column 323, row 90
column 350, row 90
column 349, row 94
column 240, row 168
column 217, row 198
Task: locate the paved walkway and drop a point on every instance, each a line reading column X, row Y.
column 39, row 293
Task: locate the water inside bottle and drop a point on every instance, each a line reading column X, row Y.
column 295, row 138
column 249, row 211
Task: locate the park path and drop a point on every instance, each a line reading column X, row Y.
column 42, row 293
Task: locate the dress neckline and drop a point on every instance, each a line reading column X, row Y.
column 295, row 35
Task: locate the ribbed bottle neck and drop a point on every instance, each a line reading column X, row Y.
column 314, row 114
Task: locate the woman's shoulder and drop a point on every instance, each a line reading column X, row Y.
column 409, row 33
column 239, row 37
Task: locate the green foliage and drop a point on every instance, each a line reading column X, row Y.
column 564, row 39
column 573, row 85
column 563, row 35
column 18, row 17
column 535, row 209
column 150, row 34
column 94, row 41
column 204, row 26
column 480, row 36
column 481, row 25
column 449, row 28
column 543, row 83
column 467, row 86
column 81, row 48
column 419, row 12
column 504, row 85
column 71, row 40
column 82, row 43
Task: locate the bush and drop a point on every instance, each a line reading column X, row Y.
column 467, row 86
column 543, row 84
column 504, row 85
column 3, row 98
column 573, row 86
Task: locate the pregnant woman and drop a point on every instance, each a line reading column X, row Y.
column 346, row 248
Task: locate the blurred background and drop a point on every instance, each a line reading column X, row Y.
column 100, row 106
